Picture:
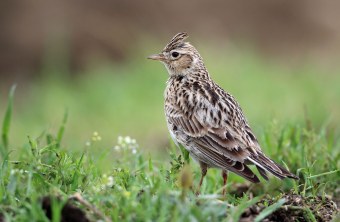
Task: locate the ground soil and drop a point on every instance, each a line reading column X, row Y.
column 296, row 207
column 69, row 213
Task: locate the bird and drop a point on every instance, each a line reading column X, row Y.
column 208, row 121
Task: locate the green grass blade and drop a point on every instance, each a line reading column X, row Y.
column 185, row 154
column 33, row 146
column 308, row 215
column 7, row 119
column 323, row 174
column 269, row 210
column 244, row 204
column 62, row 128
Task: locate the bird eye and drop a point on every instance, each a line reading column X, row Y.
column 175, row 54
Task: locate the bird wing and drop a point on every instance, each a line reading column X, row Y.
column 213, row 121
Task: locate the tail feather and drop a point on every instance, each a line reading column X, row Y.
column 289, row 174
column 262, row 172
column 263, row 164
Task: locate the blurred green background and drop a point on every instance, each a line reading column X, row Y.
column 279, row 59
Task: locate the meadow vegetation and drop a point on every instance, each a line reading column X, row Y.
column 72, row 141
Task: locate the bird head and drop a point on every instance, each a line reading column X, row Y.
column 179, row 57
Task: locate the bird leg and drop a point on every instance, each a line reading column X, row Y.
column 203, row 173
column 225, row 178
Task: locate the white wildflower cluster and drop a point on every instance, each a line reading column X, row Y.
column 106, row 182
column 95, row 137
column 126, row 143
column 18, row 171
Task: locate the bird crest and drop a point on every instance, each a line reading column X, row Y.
column 176, row 41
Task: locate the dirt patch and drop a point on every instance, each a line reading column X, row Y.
column 296, row 208
column 69, row 212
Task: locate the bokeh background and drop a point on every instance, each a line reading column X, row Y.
column 280, row 59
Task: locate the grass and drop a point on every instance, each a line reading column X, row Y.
column 62, row 136
column 124, row 183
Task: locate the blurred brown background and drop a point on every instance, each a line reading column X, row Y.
column 111, row 30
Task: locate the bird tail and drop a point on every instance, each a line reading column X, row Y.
column 264, row 164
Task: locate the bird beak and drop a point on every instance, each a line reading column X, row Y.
column 159, row 57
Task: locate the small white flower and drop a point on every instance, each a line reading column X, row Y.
column 128, row 140
column 134, row 151
column 120, row 139
column 117, row 148
column 88, row 143
column 110, row 181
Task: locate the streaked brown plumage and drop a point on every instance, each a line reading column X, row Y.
column 208, row 121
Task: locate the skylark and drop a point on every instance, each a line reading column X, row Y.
column 207, row 120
